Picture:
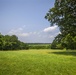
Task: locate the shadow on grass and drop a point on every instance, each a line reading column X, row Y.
column 64, row 53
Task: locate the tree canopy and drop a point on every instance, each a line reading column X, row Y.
column 11, row 43
column 63, row 14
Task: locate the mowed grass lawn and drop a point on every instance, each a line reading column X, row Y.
column 38, row 62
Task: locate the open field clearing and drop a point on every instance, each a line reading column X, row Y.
column 38, row 62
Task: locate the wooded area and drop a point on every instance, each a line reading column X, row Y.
column 11, row 43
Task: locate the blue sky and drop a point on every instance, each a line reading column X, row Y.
column 25, row 18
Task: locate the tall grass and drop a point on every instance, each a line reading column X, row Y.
column 38, row 62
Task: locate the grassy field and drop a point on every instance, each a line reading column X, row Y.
column 38, row 62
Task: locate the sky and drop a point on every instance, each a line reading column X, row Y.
column 25, row 19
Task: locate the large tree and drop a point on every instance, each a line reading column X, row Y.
column 11, row 43
column 63, row 14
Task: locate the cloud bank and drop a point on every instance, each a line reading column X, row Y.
column 49, row 29
column 43, row 36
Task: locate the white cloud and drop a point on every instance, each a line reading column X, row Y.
column 23, row 34
column 49, row 29
column 15, row 31
column 19, row 32
column 34, row 32
column 51, row 36
column 36, row 36
column 20, row 29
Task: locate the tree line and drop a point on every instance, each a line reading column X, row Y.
column 63, row 14
column 39, row 46
column 8, row 42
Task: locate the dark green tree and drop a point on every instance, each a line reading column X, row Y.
column 11, row 43
column 1, row 41
column 63, row 14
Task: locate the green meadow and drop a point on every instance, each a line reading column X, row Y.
column 38, row 62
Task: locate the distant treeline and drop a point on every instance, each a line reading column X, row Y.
column 8, row 42
column 12, row 42
column 39, row 45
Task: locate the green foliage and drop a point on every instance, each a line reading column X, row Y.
column 63, row 14
column 56, row 44
column 38, row 62
column 39, row 46
column 74, row 43
column 53, row 45
column 69, row 42
column 11, row 43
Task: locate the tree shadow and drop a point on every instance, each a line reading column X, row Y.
column 65, row 53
